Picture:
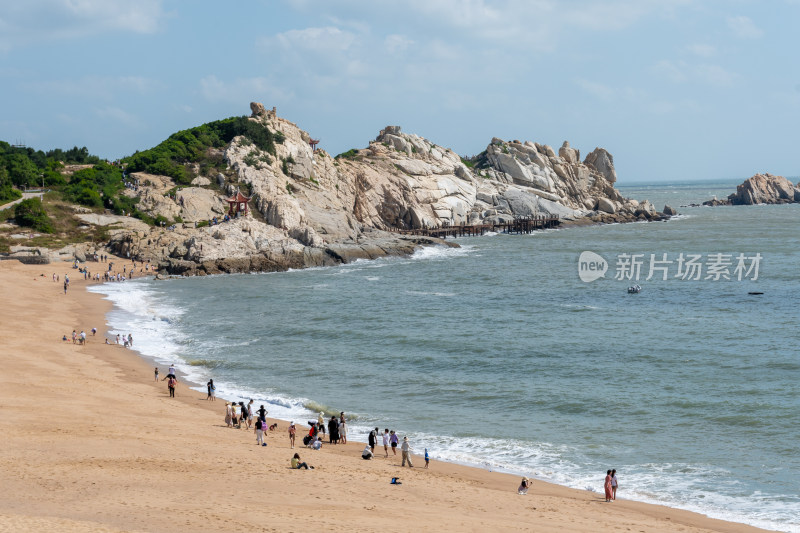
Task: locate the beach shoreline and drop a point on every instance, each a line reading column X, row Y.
column 115, row 453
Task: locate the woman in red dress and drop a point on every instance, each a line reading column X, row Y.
column 607, row 486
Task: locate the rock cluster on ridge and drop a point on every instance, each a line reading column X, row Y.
column 313, row 209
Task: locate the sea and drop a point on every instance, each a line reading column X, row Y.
column 527, row 354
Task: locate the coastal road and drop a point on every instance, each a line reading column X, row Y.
column 25, row 196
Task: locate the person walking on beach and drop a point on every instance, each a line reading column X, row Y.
column 394, row 440
column 228, row 414
column 259, row 431
column 242, row 415
column 292, row 433
column 130, row 340
column 250, row 413
column 372, row 439
column 211, row 390
column 406, row 450
column 333, row 431
column 342, row 428
column 607, row 486
column 156, row 367
column 234, row 415
column 614, row 484
column 386, row 442
column 171, row 385
column 427, row 458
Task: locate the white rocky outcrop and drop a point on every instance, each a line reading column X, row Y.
column 312, row 208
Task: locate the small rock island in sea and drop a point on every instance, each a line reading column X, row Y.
column 761, row 189
column 295, row 206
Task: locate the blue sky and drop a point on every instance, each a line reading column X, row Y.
column 674, row 89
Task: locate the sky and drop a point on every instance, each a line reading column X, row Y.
column 673, row 89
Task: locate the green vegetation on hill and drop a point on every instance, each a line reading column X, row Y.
column 96, row 186
column 25, row 167
column 31, row 213
column 350, row 154
column 170, row 158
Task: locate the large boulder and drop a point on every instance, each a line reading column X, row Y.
column 765, row 189
column 258, row 109
column 602, row 162
column 568, row 154
column 606, row 206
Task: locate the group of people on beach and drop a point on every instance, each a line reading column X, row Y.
column 610, row 485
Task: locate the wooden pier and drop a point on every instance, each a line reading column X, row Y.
column 518, row 225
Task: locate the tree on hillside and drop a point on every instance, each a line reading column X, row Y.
column 7, row 192
column 21, row 169
column 31, row 213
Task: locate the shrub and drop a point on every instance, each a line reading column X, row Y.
column 31, row 213
column 192, row 146
column 350, row 154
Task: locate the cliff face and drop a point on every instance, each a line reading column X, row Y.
column 313, row 209
column 403, row 181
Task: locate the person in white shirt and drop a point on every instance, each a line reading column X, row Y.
column 386, row 442
column 367, row 453
column 406, row 449
column 614, row 484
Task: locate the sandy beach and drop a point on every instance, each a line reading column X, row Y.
column 92, row 443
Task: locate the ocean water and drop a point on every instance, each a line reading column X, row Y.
column 497, row 354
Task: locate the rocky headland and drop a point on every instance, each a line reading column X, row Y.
column 307, row 208
column 761, row 189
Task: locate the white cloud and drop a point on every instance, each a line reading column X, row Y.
column 34, row 21
column 702, row 50
column 116, row 114
column 674, row 71
column 96, row 87
column 396, row 43
column 683, row 72
column 327, row 40
column 714, row 74
column 257, row 89
column 598, row 90
column 744, row 28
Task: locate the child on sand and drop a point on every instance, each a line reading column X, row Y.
column 427, row 458
column 297, row 464
column 292, row 432
column 524, row 486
